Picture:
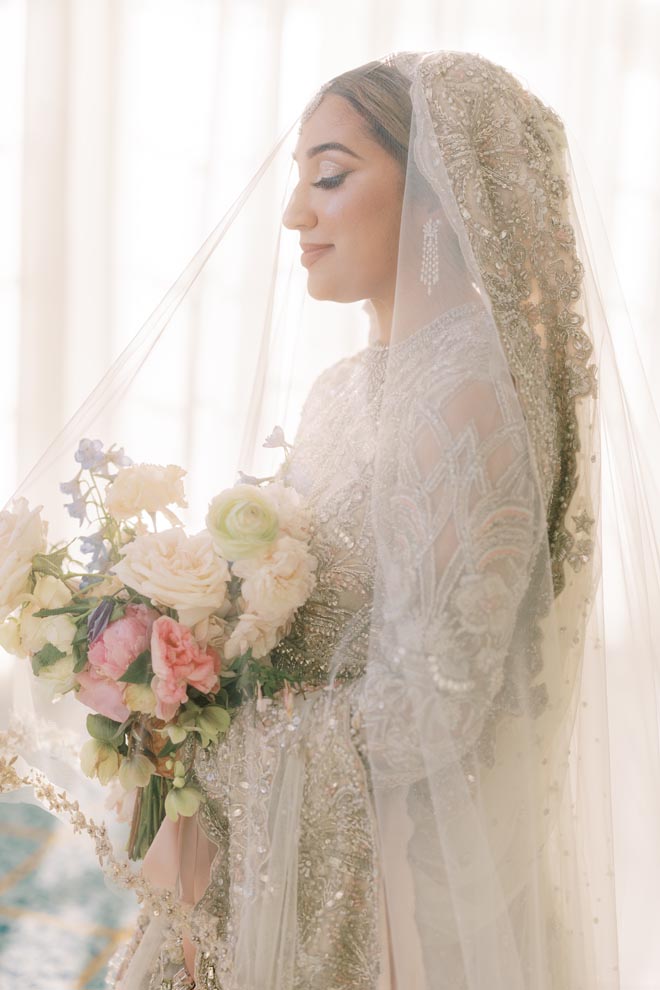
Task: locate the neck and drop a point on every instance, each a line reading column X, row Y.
column 383, row 310
column 425, row 309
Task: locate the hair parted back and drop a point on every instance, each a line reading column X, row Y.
column 380, row 94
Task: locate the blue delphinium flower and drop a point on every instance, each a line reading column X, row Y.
column 97, row 546
column 90, row 454
column 71, row 487
column 119, row 458
column 77, row 509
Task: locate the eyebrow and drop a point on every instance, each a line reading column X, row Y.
column 328, row 146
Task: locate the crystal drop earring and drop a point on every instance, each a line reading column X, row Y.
column 430, row 273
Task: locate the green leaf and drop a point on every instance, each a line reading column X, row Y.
column 117, row 612
column 140, row 671
column 79, row 652
column 63, row 610
column 46, row 657
column 169, row 748
column 104, row 729
column 81, row 632
column 49, row 563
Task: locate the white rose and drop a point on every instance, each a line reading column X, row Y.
column 255, row 633
column 242, row 522
column 176, row 570
column 49, row 592
column 275, row 585
column 292, row 512
column 22, row 535
column 59, row 676
column 145, row 488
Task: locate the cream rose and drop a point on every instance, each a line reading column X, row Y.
column 252, row 632
column 275, row 585
column 292, row 512
column 242, row 522
column 176, row 570
column 22, row 535
column 49, row 592
column 146, row 488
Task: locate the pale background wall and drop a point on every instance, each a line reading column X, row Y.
column 126, row 126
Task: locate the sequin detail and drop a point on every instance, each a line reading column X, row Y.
column 503, row 150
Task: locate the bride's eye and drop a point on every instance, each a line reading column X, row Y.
column 330, row 182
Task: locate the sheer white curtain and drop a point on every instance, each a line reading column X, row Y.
column 127, row 126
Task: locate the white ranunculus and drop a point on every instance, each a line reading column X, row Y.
column 177, row 571
column 292, row 512
column 59, row 676
column 145, row 488
column 242, row 522
column 22, row 535
column 252, row 632
column 275, row 585
column 49, row 592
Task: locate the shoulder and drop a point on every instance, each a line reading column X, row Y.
column 334, row 375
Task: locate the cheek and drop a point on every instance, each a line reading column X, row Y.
column 371, row 231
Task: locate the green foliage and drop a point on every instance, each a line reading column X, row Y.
column 50, row 563
column 148, row 815
column 46, row 657
column 140, row 671
column 105, row 729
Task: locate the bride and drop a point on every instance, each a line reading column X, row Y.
column 400, row 822
column 434, row 805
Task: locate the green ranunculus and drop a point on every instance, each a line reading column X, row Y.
column 242, row 522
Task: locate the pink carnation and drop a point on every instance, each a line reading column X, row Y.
column 179, row 661
column 110, row 656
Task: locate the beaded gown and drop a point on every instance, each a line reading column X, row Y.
column 308, row 765
column 337, row 904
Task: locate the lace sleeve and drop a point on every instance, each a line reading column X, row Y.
column 459, row 522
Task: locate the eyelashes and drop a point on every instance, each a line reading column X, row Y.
column 331, row 182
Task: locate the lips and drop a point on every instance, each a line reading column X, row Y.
column 312, row 253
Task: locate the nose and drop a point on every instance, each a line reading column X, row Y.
column 298, row 213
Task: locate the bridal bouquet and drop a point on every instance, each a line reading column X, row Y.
column 161, row 633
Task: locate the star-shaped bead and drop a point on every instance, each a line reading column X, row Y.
column 583, row 522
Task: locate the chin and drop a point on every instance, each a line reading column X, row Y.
column 325, row 291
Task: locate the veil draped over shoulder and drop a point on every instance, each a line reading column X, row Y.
column 499, row 674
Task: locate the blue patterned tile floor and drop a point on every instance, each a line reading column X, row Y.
column 59, row 921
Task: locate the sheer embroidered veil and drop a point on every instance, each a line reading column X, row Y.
column 508, row 705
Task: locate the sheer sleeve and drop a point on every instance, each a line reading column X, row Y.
column 459, row 523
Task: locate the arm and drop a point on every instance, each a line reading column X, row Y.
column 459, row 523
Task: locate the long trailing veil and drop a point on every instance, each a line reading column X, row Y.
column 504, row 693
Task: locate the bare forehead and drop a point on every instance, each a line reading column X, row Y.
column 332, row 126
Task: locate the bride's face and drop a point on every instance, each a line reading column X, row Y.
column 346, row 206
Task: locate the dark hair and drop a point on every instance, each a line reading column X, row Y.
column 381, row 95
